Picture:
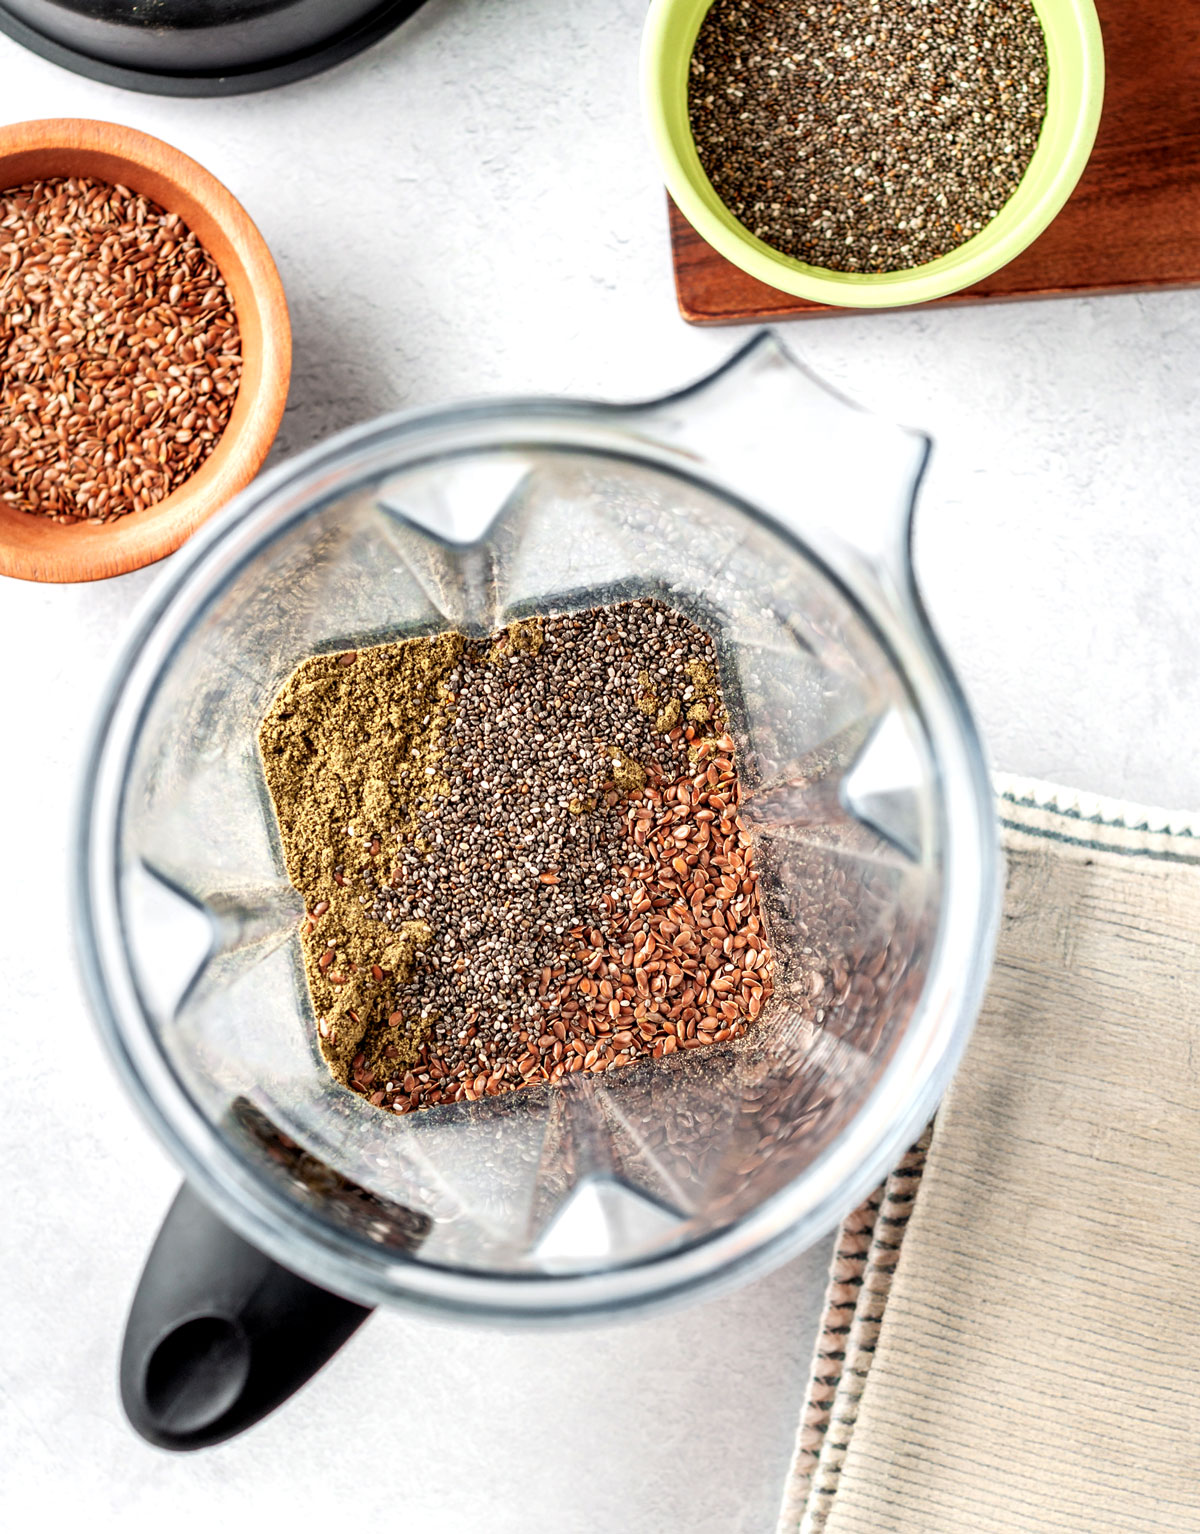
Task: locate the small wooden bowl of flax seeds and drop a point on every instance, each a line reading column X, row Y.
column 145, row 349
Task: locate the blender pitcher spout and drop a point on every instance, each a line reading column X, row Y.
column 841, row 479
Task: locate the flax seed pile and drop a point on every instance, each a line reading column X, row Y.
column 552, row 878
column 120, row 355
column 867, row 135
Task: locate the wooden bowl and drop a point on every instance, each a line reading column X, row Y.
column 38, row 549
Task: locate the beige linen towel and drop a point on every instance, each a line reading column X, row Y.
column 1029, row 1359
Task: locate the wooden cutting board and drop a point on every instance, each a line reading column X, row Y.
column 1132, row 225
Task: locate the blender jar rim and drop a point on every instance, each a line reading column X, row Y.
column 863, row 1150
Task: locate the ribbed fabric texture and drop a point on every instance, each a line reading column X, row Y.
column 1011, row 1339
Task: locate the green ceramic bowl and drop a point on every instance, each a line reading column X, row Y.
column 1074, row 96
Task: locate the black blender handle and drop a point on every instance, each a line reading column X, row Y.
column 218, row 1334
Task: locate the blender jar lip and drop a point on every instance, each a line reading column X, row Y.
column 861, row 1153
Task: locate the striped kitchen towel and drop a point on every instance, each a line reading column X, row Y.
column 1011, row 1339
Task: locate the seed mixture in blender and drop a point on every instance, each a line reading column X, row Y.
column 521, row 857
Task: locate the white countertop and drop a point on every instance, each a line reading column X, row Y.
column 467, row 209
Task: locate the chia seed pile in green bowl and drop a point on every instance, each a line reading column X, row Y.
column 867, row 135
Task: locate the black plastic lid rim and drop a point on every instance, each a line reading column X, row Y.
column 232, row 82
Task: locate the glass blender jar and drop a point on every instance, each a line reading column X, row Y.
column 777, row 516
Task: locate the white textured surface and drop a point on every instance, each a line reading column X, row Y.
column 468, row 209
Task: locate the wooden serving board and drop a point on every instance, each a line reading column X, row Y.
column 1133, row 223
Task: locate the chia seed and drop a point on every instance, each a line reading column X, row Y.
column 870, row 135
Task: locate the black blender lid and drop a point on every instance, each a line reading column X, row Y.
column 138, row 57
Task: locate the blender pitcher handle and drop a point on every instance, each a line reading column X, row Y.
column 775, row 435
column 218, row 1334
